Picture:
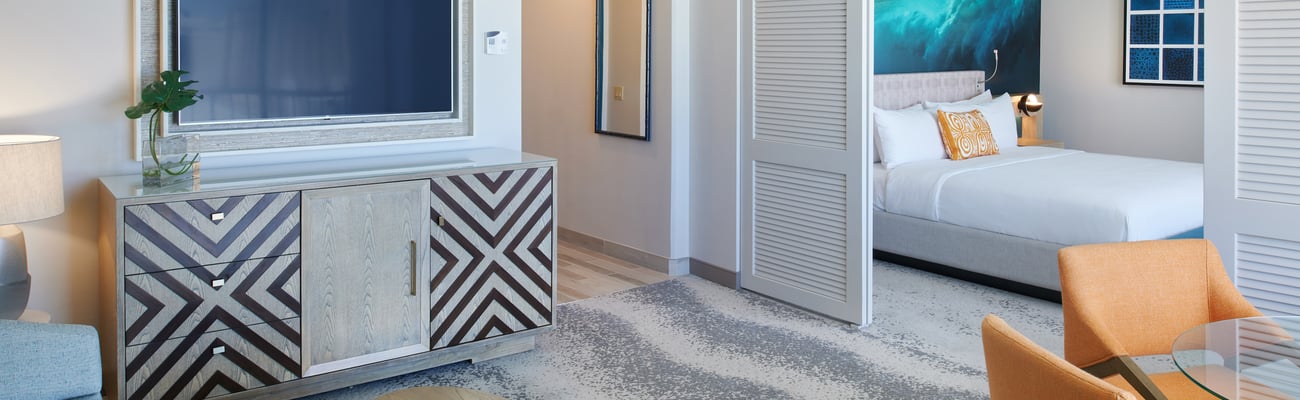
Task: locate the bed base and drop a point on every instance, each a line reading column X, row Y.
column 973, row 277
column 1015, row 264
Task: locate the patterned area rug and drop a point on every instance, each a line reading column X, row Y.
column 688, row 338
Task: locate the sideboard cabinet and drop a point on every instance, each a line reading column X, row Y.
column 289, row 280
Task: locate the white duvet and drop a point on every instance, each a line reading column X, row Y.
column 1061, row 196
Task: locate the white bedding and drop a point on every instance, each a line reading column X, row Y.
column 879, row 176
column 1060, row 196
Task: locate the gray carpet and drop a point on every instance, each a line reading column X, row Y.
column 691, row 339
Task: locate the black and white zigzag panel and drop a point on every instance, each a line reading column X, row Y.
column 171, row 304
column 184, row 234
column 214, row 364
column 492, row 257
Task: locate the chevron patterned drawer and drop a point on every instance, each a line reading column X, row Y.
column 186, row 302
column 214, row 364
column 492, row 255
column 184, row 234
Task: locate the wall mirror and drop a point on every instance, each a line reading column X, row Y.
column 623, row 68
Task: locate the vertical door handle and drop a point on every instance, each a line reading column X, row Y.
column 414, row 268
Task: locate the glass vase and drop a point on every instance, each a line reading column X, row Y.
column 172, row 160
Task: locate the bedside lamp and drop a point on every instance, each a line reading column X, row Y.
column 1030, row 104
column 1028, row 107
column 31, row 188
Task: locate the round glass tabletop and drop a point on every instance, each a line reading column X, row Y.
column 1248, row 358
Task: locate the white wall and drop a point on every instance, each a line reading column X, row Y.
column 621, row 190
column 1088, row 107
column 67, row 72
column 715, row 120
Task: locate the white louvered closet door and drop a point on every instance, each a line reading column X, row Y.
column 804, row 165
column 1252, row 147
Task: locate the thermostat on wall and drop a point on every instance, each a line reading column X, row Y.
column 498, row 42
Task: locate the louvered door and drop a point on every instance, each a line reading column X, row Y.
column 1252, row 147
column 805, row 220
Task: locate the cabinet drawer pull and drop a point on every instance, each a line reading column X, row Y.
column 414, row 266
column 218, row 283
column 218, row 216
column 442, row 221
column 218, row 350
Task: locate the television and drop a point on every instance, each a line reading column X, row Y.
column 316, row 60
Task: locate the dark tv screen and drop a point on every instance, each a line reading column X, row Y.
column 312, row 59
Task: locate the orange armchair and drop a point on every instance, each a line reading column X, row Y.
column 1019, row 369
column 1134, row 299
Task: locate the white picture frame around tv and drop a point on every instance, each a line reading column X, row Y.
column 155, row 50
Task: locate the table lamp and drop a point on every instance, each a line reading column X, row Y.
column 31, row 188
column 1030, row 104
column 1028, row 107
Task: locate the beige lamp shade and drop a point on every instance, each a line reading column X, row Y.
column 31, row 178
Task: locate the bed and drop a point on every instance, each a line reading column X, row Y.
column 1000, row 219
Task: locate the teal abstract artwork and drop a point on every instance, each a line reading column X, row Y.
column 955, row 35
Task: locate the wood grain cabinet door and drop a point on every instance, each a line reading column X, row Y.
column 493, row 251
column 364, row 256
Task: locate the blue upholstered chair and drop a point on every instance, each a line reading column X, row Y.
column 49, row 361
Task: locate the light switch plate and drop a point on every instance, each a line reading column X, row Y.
column 498, row 42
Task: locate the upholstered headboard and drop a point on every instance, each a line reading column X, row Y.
column 895, row 91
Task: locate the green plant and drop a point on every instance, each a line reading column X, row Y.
column 167, row 95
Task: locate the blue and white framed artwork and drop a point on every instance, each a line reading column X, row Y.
column 1164, row 42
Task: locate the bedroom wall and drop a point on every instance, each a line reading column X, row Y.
column 74, row 83
column 626, row 191
column 715, row 93
column 1088, row 108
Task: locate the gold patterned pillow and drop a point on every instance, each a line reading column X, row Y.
column 966, row 135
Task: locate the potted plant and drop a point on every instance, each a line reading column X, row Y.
column 169, row 159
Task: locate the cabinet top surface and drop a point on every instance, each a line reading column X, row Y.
column 283, row 176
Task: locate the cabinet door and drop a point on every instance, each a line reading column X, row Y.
column 493, row 251
column 363, row 258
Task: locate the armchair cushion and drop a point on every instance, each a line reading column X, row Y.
column 49, row 361
column 1175, row 385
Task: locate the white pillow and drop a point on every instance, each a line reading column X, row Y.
column 875, row 133
column 907, row 135
column 999, row 114
column 981, row 98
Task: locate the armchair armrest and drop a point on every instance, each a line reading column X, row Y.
column 1125, row 367
column 49, row 361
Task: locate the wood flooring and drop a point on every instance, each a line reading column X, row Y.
column 586, row 273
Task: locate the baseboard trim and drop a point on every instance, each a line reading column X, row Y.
column 672, row 267
column 715, row 274
column 975, row 277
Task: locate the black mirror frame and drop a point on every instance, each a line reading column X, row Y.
column 600, row 67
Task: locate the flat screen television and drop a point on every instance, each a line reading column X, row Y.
column 285, row 60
